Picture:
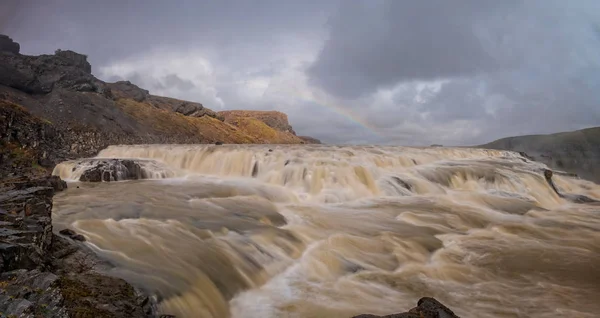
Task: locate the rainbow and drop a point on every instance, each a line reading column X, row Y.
column 326, row 102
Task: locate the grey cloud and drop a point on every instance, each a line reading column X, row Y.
column 113, row 29
column 372, row 46
column 174, row 81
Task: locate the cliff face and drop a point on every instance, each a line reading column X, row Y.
column 576, row 152
column 262, row 125
column 28, row 145
column 89, row 114
column 8, row 45
column 43, row 274
column 274, row 119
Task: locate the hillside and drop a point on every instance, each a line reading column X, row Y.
column 576, row 151
column 264, row 125
column 89, row 114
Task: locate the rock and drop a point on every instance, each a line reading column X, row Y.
column 72, row 235
column 45, row 73
column 186, row 108
column 67, row 232
column 43, row 275
column 8, row 45
column 274, row 119
column 53, row 182
column 78, row 237
column 402, row 183
column 427, row 307
column 25, row 141
column 218, row 143
column 309, row 140
column 575, row 198
column 526, row 156
column 79, row 60
column 26, row 230
column 113, row 170
column 126, row 89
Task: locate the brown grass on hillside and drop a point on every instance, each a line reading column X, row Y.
column 267, row 126
column 263, row 133
column 207, row 129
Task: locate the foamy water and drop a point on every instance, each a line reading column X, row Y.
column 325, row 231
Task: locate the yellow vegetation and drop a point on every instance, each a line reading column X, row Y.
column 240, row 130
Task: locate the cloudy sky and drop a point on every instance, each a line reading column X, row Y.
column 458, row 72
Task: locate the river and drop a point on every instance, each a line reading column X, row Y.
column 328, row 231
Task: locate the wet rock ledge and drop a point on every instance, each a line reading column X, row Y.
column 427, row 307
column 45, row 275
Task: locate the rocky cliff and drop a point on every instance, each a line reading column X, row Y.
column 8, row 45
column 43, row 274
column 89, row 114
column 274, row 119
column 576, row 152
column 262, row 125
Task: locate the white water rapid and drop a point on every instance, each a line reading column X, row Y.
column 327, row 231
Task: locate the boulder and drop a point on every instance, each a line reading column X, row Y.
column 113, row 170
column 126, row 89
column 8, row 45
column 427, row 307
column 79, row 60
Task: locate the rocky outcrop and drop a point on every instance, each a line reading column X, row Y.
column 42, row 74
column 575, row 198
column 113, row 170
column 126, row 89
column 44, row 275
column 7, row 45
column 79, row 60
column 274, row 119
column 427, row 307
column 576, row 152
column 309, row 140
column 28, row 146
column 264, row 126
column 182, row 107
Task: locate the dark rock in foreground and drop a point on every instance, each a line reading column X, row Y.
column 44, row 275
column 427, row 307
column 113, row 170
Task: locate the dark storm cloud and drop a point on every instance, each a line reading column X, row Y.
column 112, row 29
column 377, row 45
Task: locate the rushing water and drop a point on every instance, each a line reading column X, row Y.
column 325, row 231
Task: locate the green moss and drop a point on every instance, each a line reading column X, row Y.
column 75, row 294
column 73, row 290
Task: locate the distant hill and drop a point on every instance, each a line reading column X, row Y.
column 576, row 151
